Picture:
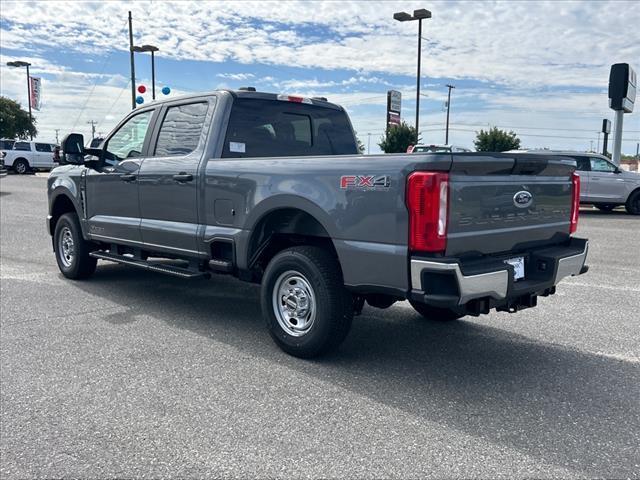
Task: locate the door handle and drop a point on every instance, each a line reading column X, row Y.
column 128, row 177
column 183, row 177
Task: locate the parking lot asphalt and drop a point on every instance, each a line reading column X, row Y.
column 136, row 374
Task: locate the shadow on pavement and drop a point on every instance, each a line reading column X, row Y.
column 547, row 401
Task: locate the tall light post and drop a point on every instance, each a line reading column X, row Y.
column 419, row 15
column 446, row 137
column 152, row 49
column 133, row 64
column 20, row 63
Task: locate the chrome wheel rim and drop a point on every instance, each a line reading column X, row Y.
column 66, row 247
column 20, row 167
column 294, row 303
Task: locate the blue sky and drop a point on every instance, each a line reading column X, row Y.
column 539, row 68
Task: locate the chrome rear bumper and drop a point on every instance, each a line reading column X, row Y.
column 452, row 282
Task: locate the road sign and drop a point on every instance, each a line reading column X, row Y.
column 394, row 105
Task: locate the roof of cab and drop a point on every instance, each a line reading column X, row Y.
column 316, row 101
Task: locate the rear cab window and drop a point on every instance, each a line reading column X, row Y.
column 274, row 128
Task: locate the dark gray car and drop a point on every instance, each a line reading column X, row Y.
column 271, row 188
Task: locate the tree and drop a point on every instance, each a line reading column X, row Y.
column 398, row 139
column 496, row 140
column 14, row 121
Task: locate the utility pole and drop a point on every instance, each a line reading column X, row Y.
column 598, row 147
column 57, row 141
column 93, row 128
column 133, row 66
column 446, row 137
column 368, row 143
column 591, row 147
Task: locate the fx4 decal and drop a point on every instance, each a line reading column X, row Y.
column 364, row 181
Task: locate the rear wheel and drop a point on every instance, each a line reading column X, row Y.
column 306, row 307
column 633, row 203
column 72, row 251
column 605, row 208
column 21, row 166
column 435, row 313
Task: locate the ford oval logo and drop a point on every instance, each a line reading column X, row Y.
column 522, row 199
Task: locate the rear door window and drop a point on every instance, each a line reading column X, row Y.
column 181, row 129
column 273, row 128
column 583, row 164
column 24, row 146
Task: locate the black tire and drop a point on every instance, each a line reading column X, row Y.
column 633, row 203
column 21, row 166
column 435, row 313
column 333, row 305
column 605, row 208
column 78, row 265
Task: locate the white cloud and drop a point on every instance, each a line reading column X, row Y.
column 515, row 43
column 532, row 48
column 236, row 76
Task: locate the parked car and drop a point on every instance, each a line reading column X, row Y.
column 3, row 170
column 435, row 148
column 271, row 189
column 26, row 156
column 603, row 184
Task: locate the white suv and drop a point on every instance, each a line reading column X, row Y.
column 26, row 156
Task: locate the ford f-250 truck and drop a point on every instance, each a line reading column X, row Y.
column 271, row 188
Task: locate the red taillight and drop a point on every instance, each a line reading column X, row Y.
column 428, row 202
column 575, row 202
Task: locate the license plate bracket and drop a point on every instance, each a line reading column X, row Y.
column 518, row 267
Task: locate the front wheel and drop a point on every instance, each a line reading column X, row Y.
column 21, row 166
column 435, row 313
column 633, row 203
column 306, row 307
column 72, row 251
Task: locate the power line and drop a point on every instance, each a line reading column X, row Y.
column 93, row 87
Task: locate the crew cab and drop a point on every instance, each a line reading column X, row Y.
column 25, row 156
column 271, row 189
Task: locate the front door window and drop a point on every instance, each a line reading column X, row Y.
column 128, row 141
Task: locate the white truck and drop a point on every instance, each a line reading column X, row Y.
column 23, row 156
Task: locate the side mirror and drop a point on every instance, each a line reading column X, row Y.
column 73, row 148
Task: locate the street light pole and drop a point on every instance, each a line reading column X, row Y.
column 419, row 15
column 20, row 63
column 133, row 66
column 153, row 76
column 446, row 137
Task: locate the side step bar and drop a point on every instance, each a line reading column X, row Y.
column 154, row 267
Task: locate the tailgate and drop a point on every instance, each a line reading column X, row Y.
column 508, row 202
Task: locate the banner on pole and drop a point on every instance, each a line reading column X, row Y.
column 36, row 92
column 394, row 104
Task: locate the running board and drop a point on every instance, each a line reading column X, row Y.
column 154, row 267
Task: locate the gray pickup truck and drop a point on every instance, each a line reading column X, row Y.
column 271, row 188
